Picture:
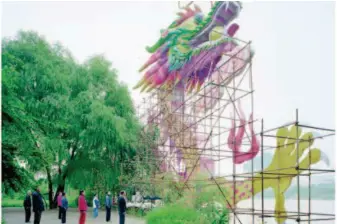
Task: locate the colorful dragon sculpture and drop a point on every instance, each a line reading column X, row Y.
column 190, row 48
column 196, row 48
column 188, row 53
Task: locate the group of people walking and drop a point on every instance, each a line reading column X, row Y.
column 35, row 200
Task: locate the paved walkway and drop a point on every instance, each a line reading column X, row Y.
column 16, row 216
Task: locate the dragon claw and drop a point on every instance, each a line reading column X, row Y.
column 325, row 158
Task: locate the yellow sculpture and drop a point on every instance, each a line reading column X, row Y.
column 281, row 171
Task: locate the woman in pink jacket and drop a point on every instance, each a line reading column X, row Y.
column 59, row 203
column 82, row 207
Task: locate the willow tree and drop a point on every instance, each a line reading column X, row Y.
column 106, row 130
column 35, row 89
column 58, row 113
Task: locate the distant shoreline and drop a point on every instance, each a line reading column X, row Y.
column 302, row 198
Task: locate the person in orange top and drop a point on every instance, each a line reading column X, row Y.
column 82, row 207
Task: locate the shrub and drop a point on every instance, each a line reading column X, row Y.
column 174, row 214
column 7, row 202
column 137, row 212
column 202, row 204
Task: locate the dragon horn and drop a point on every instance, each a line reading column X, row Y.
column 142, row 68
column 177, row 79
column 154, row 57
column 171, row 83
column 151, row 88
column 188, row 10
column 165, row 85
column 190, row 88
column 180, row 14
column 147, row 64
column 198, row 86
column 145, row 87
column 188, row 85
column 194, row 84
column 139, row 84
column 197, row 8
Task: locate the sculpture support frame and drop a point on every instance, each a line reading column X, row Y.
column 212, row 124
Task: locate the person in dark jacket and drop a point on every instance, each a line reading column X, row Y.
column 38, row 206
column 64, row 208
column 27, row 204
column 108, row 205
column 122, row 207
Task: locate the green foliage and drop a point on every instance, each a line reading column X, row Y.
column 29, row 104
column 174, row 214
column 57, row 113
column 13, row 176
column 11, row 203
column 16, row 199
column 202, row 202
column 136, row 212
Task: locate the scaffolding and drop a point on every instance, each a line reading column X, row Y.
column 302, row 213
column 194, row 129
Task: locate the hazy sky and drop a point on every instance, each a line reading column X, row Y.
column 294, row 44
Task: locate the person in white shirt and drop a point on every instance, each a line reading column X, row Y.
column 95, row 205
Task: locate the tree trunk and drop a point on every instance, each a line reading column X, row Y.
column 63, row 177
column 60, row 187
column 50, row 189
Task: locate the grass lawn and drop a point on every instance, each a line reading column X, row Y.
column 16, row 200
column 8, row 202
